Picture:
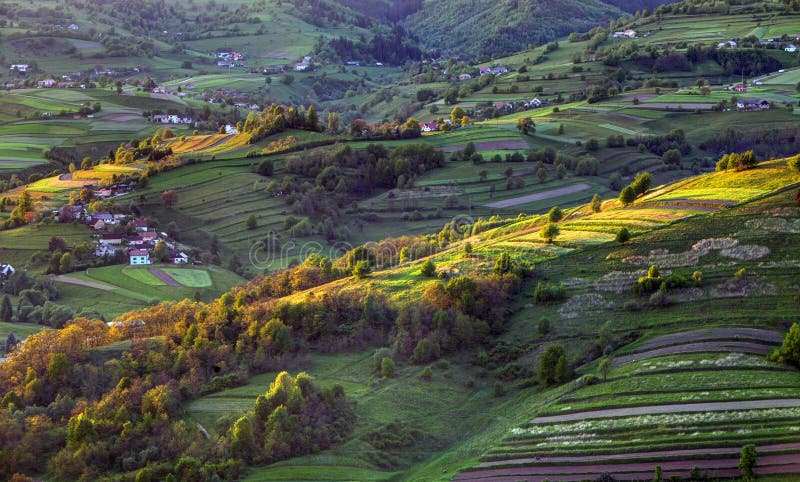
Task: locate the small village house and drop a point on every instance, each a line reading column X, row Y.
column 139, row 257
column 113, row 239
column 6, row 270
column 179, row 257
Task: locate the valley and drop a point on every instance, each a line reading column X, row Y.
column 320, row 240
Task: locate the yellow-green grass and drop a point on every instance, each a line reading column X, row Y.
column 731, row 185
column 790, row 78
column 143, row 275
column 20, row 330
column 191, row 278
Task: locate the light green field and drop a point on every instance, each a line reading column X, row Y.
column 191, row 278
column 143, row 275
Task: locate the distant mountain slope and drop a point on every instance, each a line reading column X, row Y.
column 489, row 27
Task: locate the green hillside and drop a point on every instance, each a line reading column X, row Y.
column 680, row 356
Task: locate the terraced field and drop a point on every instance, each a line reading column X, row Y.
column 661, row 409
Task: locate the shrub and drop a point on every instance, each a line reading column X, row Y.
column 789, row 352
column 794, row 163
column 426, row 374
column 697, row 276
column 747, row 462
column 549, row 293
column 387, row 367
column 544, row 326
column 428, row 269
column 627, row 196
column 425, row 351
column 361, row 269
column 555, row 215
column 623, row 236
column 549, row 232
column 659, row 299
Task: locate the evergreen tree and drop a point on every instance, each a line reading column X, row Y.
column 6, row 310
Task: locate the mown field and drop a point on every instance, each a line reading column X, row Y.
column 113, row 290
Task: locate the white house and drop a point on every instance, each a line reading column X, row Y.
column 6, row 270
column 46, row 84
column 229, row 129
column 791, row 49
column 141, row 225
column 139, row 257
column 729, row 43
column 171, row 119
column 20, row 67
column 111, row 238
column 430, row 127
column 464, row 77
column 535, row 103
column 73, row 27
column 179, row 258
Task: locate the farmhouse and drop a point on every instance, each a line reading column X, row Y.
column 274, row 69
column 159, row 89
column 229, row 129
column 149, row 235
column 499, row 70
column 485, row 70
column 739, row 88
column 113, row 239
column 139, row 257
column 535, row 103
column 791, row 48
column 135, row 240
column 45, row 84
column 626, row 34
column 171, row 119
column 464, row 77
column 140, row 225
column 73, row 27
column 430, row 127
column 751, row 105
column 6, row 270
column 21, row 68
column 179, row 257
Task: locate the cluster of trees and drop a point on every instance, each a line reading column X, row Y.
column 277, row 118
column 294, row 417
column 737, row 162
column 640, row 185
column 394, row 47
column 366, row 170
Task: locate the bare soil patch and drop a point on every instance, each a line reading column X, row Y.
column 705, row 347
column 490, row 146
column 767, row 336
column 80, row 282
column 676, row 107
column 725, row 467
column 539, row 196
column 169, row 280
column 672, row 408
column 764, row 449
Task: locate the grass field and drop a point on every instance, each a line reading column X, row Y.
column 131, row 287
